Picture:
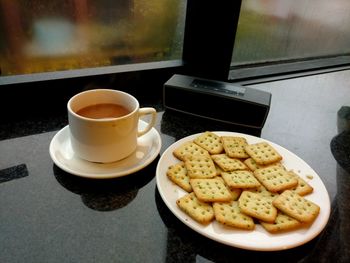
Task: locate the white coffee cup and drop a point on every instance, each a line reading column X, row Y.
column 104, row 138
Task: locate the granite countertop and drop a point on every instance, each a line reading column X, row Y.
column 48, row 215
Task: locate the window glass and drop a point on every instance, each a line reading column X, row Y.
column 41, row 35
column 273, row 30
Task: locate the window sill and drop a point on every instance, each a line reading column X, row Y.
column 35, row 77
column 277, row 71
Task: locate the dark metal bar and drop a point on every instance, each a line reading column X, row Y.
column 209, row 37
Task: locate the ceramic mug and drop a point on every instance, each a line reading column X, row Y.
column 103, row 124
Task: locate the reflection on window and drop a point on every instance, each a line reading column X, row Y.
column 273, row 30
column 41, row 35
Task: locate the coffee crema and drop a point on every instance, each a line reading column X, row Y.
column 103, row 111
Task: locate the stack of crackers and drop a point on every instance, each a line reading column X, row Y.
column 240, row 184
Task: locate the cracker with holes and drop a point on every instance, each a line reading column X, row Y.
column 275, row 179
column 229, row 214
column 188, row 149
column 211, row 190
column 282, row 223
column 196, row 209
column 200, row 166
column 228, row 164
column 263, row 153
column 297, row 206
column 234, row 146
column 252, row 165
column 240, row 179
column 263, row 191
column 209, row 141
column 177, row 173
column 302, row 188
column 257, row 206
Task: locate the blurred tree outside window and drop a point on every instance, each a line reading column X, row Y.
column 43, row 36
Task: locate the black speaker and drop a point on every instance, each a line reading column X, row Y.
column 217, row 100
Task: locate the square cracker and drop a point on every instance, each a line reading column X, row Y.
column 187, row 149
column 263, row 191
column 197, row 210
column 228, row 164
column 200, row 166
column 263, row 153
column 302, row 188
column 297, row 206
column 177, row 173
column 240, row 179
column 275, row 179
column 209, row 141
column 282, row 223
column 229, row 214
column 257, row 206
column 252, row 165
column 211, row 190
column 234, row 146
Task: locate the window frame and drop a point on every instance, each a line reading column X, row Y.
column 261, row 72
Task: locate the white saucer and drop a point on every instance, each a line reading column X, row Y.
column 63, row 156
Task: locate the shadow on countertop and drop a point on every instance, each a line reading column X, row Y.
column 106, row 194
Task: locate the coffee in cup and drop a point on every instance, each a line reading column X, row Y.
column 103, row 124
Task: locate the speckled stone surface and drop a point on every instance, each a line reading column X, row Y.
column 48, row 215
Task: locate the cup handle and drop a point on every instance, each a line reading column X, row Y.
column 147, row 111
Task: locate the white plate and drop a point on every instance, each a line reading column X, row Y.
column 258, row 239
column 148, row 147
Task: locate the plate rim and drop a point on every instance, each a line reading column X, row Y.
column 194, row 225
column 110, row 175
